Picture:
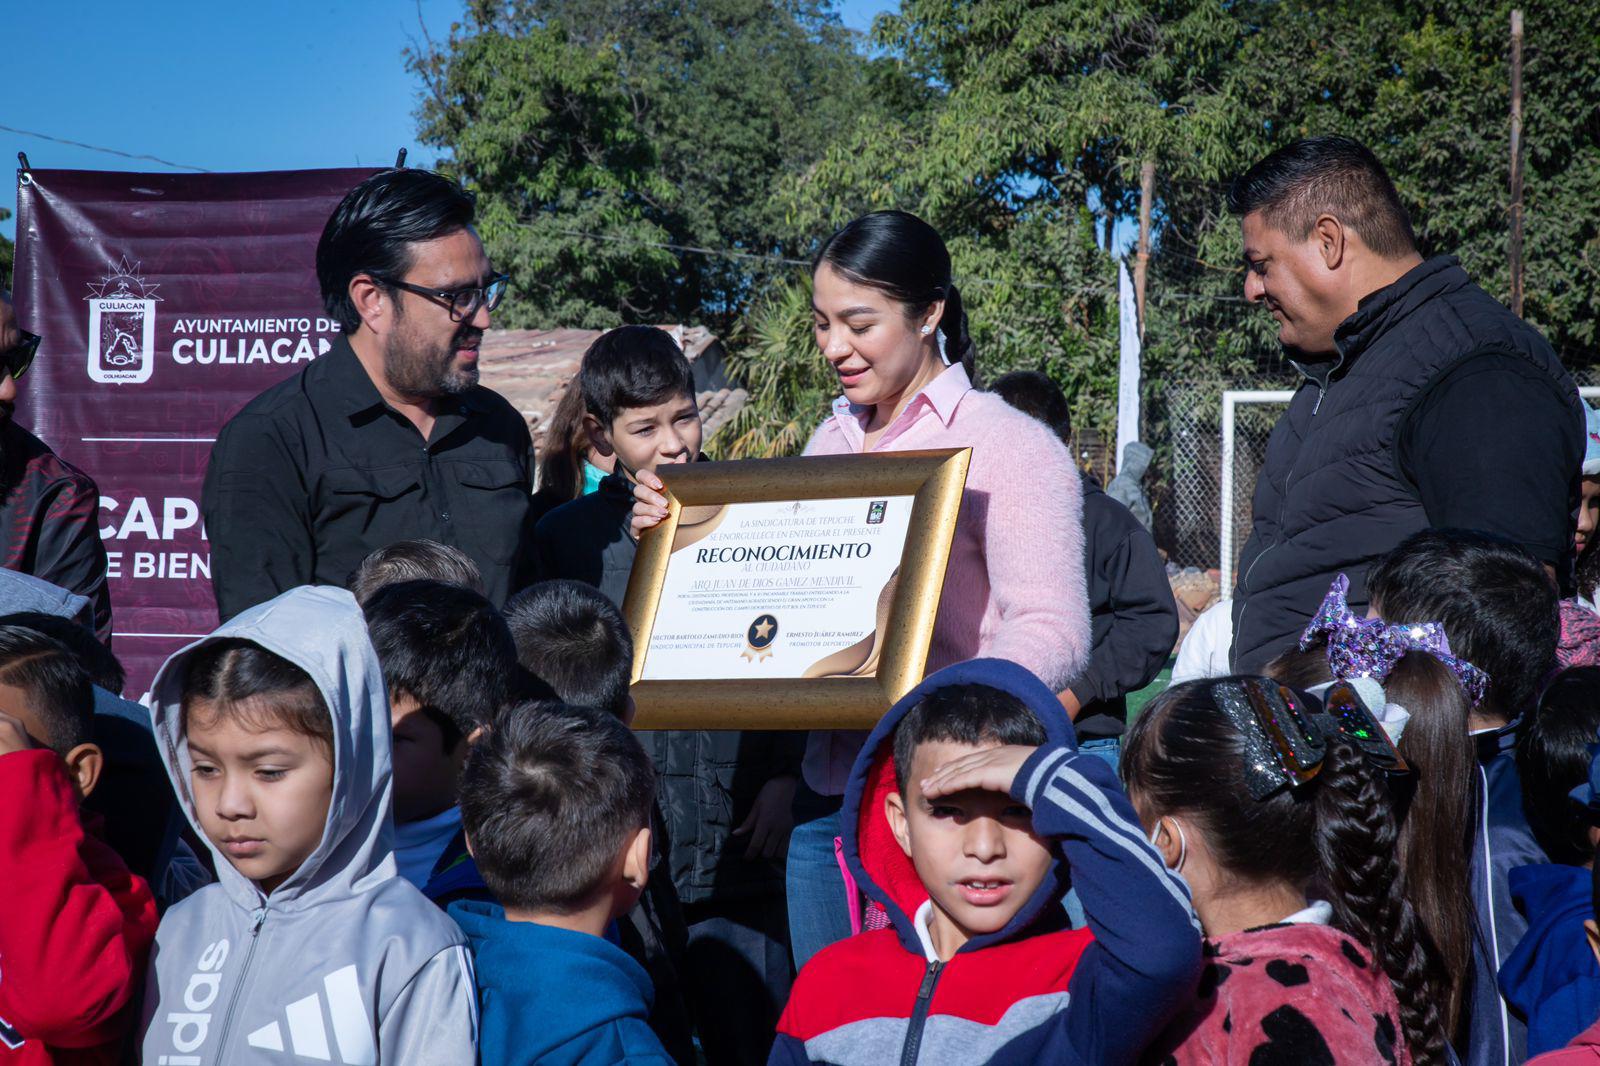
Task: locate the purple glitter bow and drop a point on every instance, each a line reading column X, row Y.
column 1370, row 647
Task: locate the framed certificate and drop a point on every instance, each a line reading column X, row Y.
column 791, row 593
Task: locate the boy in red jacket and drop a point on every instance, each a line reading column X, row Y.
column 78, row 926
column 965, row 809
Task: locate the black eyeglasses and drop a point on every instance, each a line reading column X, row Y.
column 17, row 360
column 462, row 303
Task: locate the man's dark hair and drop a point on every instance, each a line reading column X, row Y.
column 963, row 714
column 632, row 366
column 57, row 689
column 103, row 668
column 572, row 638
column 1036, row 396
column 1337, row 176
column 447, row 648
column 1497, row 604
column 415, row 560
column 549, row 798
column 375, row 225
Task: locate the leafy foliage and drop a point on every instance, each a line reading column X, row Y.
column 596, row 131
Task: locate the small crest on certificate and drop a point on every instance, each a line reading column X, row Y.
column 876, row 511
column 760, row 637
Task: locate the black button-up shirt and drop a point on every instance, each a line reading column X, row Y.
column 318, row 471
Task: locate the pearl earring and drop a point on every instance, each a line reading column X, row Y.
column 926, row 330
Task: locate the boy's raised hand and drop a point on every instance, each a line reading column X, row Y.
column 649, row 505
column 993, row 770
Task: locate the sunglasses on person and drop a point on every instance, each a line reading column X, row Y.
column 462, row 303
column 17, row 359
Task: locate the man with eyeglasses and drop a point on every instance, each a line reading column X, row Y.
column 49, row 509
column 388, row 436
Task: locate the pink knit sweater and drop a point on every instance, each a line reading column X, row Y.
column 1014, row 588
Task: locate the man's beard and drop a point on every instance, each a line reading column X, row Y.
column 413, row 367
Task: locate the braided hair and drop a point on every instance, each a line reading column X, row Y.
column 1184, row 756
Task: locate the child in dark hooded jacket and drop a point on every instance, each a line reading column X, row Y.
column 966, row 809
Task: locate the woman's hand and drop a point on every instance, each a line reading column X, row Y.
column 992, row 770
column 649, row 505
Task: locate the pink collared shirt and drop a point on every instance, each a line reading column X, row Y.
column 1014, row 588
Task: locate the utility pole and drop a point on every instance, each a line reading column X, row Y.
column 1515, row 243
column 1141, row 266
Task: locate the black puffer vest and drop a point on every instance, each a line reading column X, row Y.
column 1331, row 497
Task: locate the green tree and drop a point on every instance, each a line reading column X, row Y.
column 597, row 130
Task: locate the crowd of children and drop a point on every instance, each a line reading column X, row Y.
column 398, row 824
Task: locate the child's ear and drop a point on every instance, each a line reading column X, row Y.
column 1592, row 932
column 894, row 808
column 84, row 764
column 468, row 842
column 599, row 435
column 636, row 860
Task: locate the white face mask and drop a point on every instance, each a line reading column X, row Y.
column 1183, row 841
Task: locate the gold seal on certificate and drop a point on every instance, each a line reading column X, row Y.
column 791, row 593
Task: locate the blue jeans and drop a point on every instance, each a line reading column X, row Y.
column 818, row 912
column 1108, row 749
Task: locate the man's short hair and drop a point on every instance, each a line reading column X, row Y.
column 1497, row 604
column 447, row 648
column 549, row 798
column 104, row 668
column 57, row 689
column 1036, row 396
column 415, row 560
column 963, row 714
column 1337, row 176
column 574, row 640
column 373, row 228
column 632, row 366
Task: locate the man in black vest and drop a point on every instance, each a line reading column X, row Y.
column 1426, row 402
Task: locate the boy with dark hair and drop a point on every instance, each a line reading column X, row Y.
column 574, row 645
column 964, row 812
column 1131, row 609
column 414, row 560
column 1500, row 612
column 573, row 639
column 556, row 805
column 726, row 796
column 640, row 409
column 450, row 666
column 1552, row 977
column 78, row 925
column 141, row 817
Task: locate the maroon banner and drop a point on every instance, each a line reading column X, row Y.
column 166, row 302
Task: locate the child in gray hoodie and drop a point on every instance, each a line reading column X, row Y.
column 275, row 732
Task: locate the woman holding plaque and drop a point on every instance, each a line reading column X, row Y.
column 889, row 321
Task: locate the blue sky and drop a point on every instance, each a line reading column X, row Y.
column 223, row 84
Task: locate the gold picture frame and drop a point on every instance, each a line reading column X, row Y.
column 936, row 480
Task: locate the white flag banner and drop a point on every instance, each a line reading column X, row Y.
column 1127, row 364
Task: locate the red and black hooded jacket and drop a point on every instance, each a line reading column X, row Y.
column 1032, row 992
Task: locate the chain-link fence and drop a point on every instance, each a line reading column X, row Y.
column 1189, row 473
